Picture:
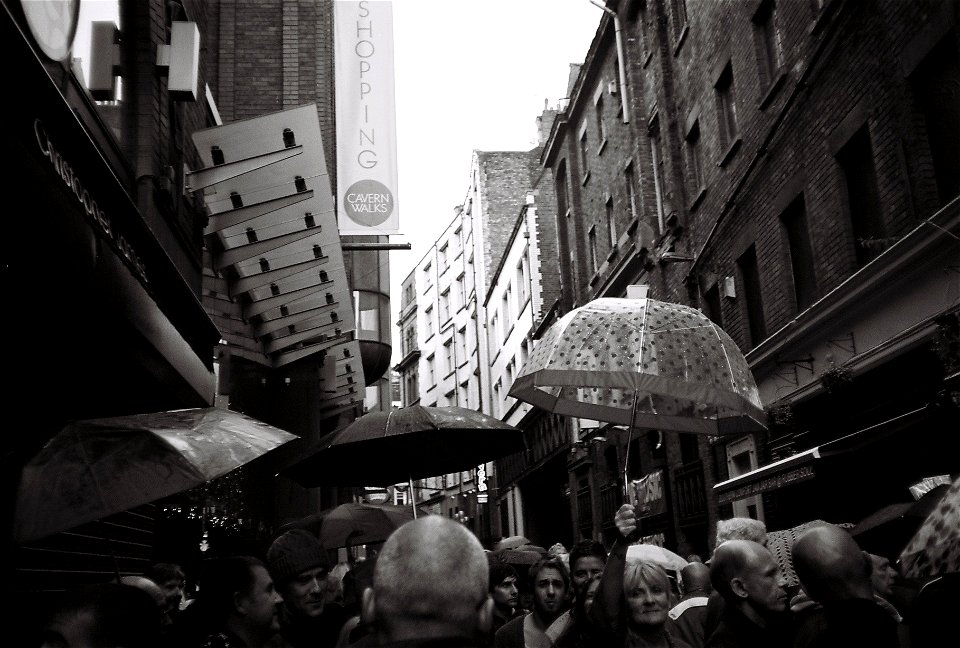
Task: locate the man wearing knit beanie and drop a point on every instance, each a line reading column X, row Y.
column 299, row 565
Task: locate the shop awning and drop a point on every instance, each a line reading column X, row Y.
column 802, row 466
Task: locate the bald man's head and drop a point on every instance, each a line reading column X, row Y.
column 430, row 581
column 696, row 578
column 746, row 574
column 830, row 565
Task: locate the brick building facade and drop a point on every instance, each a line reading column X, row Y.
column 779, row 170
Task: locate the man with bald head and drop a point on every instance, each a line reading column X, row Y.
column 688, row 617
column 835, row 573
column 755, row 613
column 430, row 587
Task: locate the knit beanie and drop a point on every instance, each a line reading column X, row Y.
column 293, row 552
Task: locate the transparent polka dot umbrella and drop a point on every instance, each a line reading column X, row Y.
column 642, row 363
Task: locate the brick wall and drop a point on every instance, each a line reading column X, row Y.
column 505, row 179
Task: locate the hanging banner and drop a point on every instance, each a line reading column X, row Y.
column 366, row 118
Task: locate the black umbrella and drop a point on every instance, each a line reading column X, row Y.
column 384, row 448
column 354, row 523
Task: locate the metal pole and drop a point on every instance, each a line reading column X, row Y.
column 413, row 498
column 626, row 456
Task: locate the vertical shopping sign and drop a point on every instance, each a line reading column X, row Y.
column 366, row 118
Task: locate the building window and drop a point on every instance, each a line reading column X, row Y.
column 678, row 11
column 445, row 305
column 727, row 108
column 427, row 276
column 711, row 304
column 766, row 42
column 411, row 388
column 750, row 279
column 497, row 406
column 563, row 204
column 510, row 370
column 461, row 292
column 584, row 156
column 694, row 159
column 431, row 371
column 611, row 223
column 464, row 394
column 863, row 200
column 458, row 240
column 462, row 344
column 409, row 339
column 938, row 71
column 592, row 247
column 794, row 219
column 505, row 313
column 442, row 258
column 428, row 322
column 741, row 459
column 524, row 353
column 601, row 130
column 523, row 280
column 656, row 159
column 494, row 333
column 448, row 354
column 630, row 182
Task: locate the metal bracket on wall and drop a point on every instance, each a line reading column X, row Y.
column 792, row 366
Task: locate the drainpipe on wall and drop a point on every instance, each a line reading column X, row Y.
column 621, row 58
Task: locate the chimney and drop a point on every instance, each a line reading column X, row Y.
column 544, row 124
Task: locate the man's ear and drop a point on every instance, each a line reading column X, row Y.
column 368, row 611
column 485, row 616
column 738, row 588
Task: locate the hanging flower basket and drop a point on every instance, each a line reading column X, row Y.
column 836, row 378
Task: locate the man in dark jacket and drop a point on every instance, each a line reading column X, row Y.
column 755, row 613
column 299, row 566
column 835, row 573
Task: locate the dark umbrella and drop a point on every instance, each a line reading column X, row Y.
column 354, row 523
column 384, row 448
column 888, row 529
column 515, row 557
column 97, row 467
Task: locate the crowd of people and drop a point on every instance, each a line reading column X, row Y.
column 432, row 585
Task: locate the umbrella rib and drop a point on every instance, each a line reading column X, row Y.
column 726, row 357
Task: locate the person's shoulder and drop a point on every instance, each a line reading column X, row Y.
column 513, row 624
column 509, row 632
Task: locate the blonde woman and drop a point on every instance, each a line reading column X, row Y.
column 634, row 599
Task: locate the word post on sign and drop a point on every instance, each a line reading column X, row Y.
column 646, row 495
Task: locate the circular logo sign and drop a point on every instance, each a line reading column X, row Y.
column 53, row 24
column 368, row 202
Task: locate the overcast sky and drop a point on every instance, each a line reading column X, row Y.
column 471, row 75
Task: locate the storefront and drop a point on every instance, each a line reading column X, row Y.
column 100, row 320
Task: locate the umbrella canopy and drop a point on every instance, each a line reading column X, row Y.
column 515, row 556
column 656, row 554
column 383, row 448
column 892, row 526
column 642, row 363
column 511, row 542
column 935, row 547
column 98, row 467
column 354, row 523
